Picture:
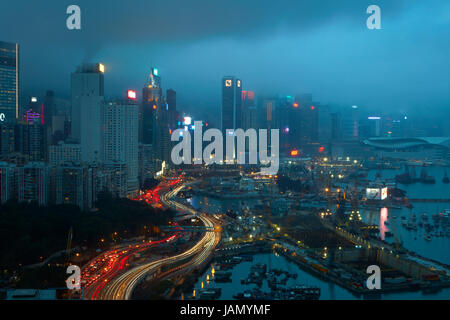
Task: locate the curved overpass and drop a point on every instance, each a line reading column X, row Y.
column 121, row 288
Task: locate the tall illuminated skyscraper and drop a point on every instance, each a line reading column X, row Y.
column 231, row 103
column 87, row 85
column 151, row 101
column 9, row 82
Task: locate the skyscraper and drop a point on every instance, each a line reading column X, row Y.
column 249, row 114
column 87, row 85
column 120, row 125
column 231, row 103
column 9, row 82
column 151, row 101
column 350, row 123
column 49, row 107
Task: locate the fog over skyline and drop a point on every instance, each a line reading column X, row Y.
column 285, row 47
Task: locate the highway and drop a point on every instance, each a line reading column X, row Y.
column 121, row 287
column 106, row 266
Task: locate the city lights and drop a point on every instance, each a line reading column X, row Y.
column 131, row 94
column 268, row 169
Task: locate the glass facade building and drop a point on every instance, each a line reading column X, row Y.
column 9, row 82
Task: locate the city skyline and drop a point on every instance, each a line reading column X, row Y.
column 295, row 52
column 204, row 150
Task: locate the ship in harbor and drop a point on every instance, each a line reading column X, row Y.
column 298, row 292
column 409, row 176
column 425, row 178
column 404, row 178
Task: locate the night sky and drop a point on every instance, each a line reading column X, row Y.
column 286, row 47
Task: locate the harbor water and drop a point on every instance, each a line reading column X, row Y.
column 388, row 220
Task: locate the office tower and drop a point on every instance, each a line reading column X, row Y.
column 33, row 183
column 147, row 167
column 151, row 101
column 161, row 133
column 72, row 184
column 165, row 121
column 120, row 136
column 64, row 152
column 171, row 100
column 231, row 103
column 324, row 124
column 49, row 106
column 349, row 123
column 7, row 183
column 249, row 114
column 9, row 82
column 58, row 130
column 370, row 127
column 309, row 119
column 87, row 85
column 335, row 126
column 282, row 122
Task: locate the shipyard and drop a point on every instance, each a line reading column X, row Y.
column 330, row 232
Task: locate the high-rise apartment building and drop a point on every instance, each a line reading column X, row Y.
column 33, row 183
column 120, row 138
column 64, row 152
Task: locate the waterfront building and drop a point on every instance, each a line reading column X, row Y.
column 414, row 148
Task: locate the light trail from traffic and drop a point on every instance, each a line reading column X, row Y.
column 121, row 287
